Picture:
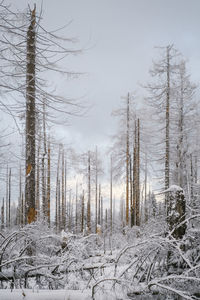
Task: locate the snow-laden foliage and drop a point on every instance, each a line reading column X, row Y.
column 146, row 261
column 157, row 264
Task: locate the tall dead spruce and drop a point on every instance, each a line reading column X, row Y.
column 29, row 53
column 164, row 70
column 30, row 121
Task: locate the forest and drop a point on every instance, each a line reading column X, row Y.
column 117, row 224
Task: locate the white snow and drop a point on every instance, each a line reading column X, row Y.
column 173, row 188
column 25, row 294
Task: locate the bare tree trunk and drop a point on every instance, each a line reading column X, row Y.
column 57, row 191
column 65, row 198
column 21, row 201
column 23, row 210
column 138, row 176
column 63, row 221
column 101, row 218
column 145, row 192
column 76, row 211
column 191, row 179
column 111, row 179
column 127, row 163
column 106, row 219
column 37, row 202
column 59, row 208
column 99, row 206
column 133, row 209
column 196, row 170
column 180, row 140
column 43, row 189
column 49, row 183
column 30, row 121
column 114, row 211
column 9, row 199
column 56, row 213
column 82, row 211
column 20, row 197
column 96, row 188
column 131, row 188
column 7, row 205
column 44, row 199
column 89, row 196
column 2, row 216
column 167, row 113
column 69, row 211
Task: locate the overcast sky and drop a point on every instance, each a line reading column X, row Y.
column 119, row 38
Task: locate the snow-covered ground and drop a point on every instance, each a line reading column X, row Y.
column 26, row 294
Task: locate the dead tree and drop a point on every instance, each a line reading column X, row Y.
column 127, row 161
column 167, row 114
column 44, row 198
column 69, row 210
column 2, row 216
column 29, row 51
column 146, row 208
column 138, row 176
column 134, row 179
column 9, row 199
column 111, row 192
column 82, row 211
column 57, row 215
column 96, row 188
column 131, row 187
column 65, row 196
column 89, row 195
column 76, row 209
column 37, row 199
column 59, row 209
column 99, row 205
column 7, row 205
column 165, row 71
column 101, row 218
column 30, row 121
column 63, row 212
column 48, row 183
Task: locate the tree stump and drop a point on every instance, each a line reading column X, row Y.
column 176, row 211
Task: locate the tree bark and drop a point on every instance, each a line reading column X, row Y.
column 76, row 212
column 133, row 209
column 7, row 205
column 111, row 200
column 167, row 114
column 99, row 206
column 57, row 216
column 82, row 212
column 89, row 196
column 138, row 176
column 37, row 201
column 102, row 213
column 48, row 183
column 63, row 221
column 177, row 209
column 9, row 199
column 127, row 162
column 96, row 188
column 2, row 216
column 146, row 216
column 30, row 121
